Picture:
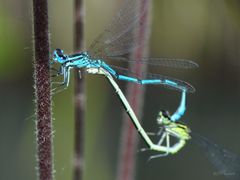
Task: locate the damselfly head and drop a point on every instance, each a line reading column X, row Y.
column 58, row 56
column 163, row 117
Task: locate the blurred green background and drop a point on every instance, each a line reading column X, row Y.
column 207, row 31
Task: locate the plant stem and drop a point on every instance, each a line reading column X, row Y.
column 79, row 94
column 135, row 95
column 42, row 90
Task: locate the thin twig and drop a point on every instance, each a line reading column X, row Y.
column 79, row 94
column 135, row 95
column 42, row 90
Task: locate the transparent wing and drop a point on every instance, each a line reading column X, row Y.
column 166, row 62
column 226, row 162
column 180, row 84
column 118, row 38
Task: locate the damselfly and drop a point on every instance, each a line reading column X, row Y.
column 117, row 40
column 225, row 162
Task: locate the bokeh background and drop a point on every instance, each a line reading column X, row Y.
column 207, row 31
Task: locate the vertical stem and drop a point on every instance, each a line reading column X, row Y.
column 135, row 95
column 42, row 90
column 79, row 94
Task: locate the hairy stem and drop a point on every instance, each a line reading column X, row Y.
column 79, row 95
column 42, row 90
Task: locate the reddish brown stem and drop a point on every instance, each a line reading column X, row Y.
column 42, row 90
column 79, row 95
column 135, row 95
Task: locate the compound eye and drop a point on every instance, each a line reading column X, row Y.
column 165, row 113
column 59, row 52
